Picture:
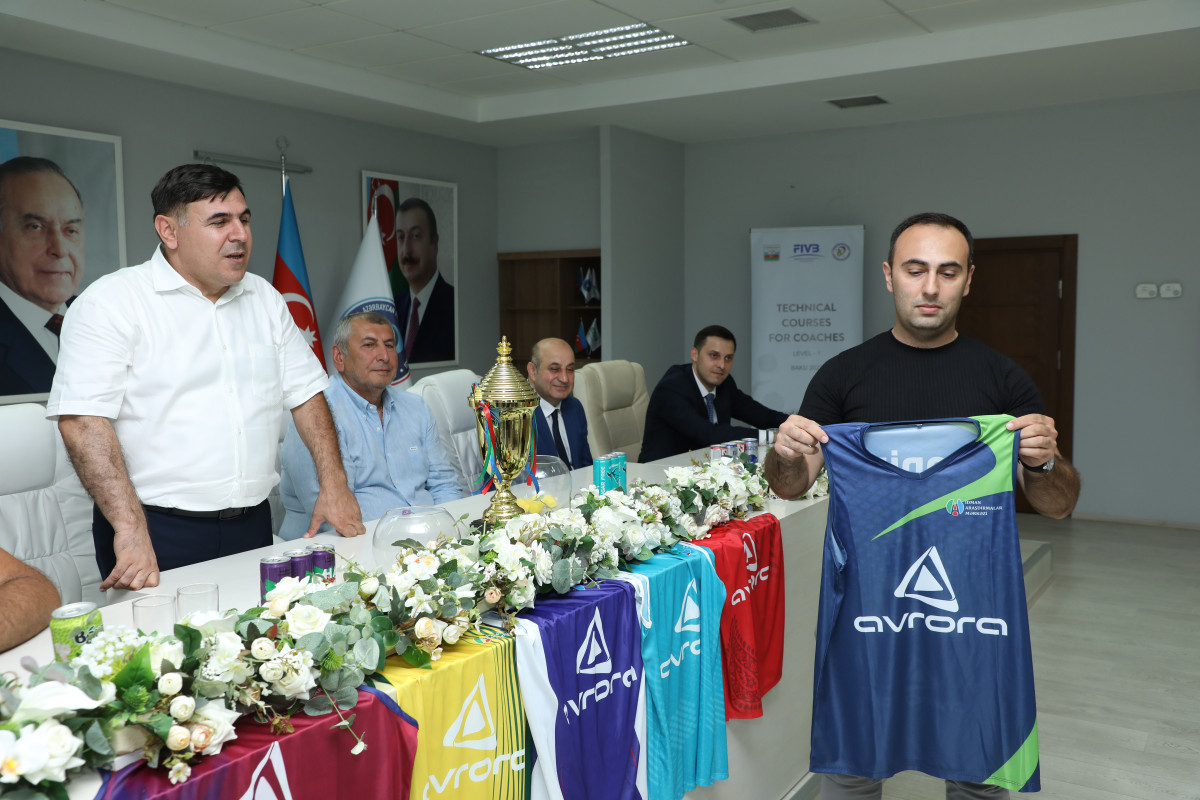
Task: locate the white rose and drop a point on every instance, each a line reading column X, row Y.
column 425, row 628
column 368, row 587
column 271, row 671
column 58, row 747
column 210, row 622
column 452, row 634
column 170, row 683
column 492, row 595
column 166, row 650
column 220, row 720
column 277, row 608
column 182, row 707
column 51, row 699
column 305, row 619
column 201, row 737
column 178, row 738
column 290, row 588
column 263, row 649
column 295, row 683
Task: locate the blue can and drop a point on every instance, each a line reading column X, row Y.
column 617, row 471
column 601, row 466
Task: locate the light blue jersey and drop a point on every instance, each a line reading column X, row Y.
column 680, row 600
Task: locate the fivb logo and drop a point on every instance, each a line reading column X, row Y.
column 473, row 729
column 754, row 574
column 926, row 580
column 594, row 658
column 688, row 622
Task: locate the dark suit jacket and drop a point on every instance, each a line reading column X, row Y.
column 576, row 424
column 24, row 366
column 435, row 336
column 677, row 419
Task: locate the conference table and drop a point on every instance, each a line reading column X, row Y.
column 768, row 756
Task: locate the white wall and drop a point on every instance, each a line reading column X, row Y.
column 641, row 240
column 1120, row 174
column 549, row 196
column 160, row 124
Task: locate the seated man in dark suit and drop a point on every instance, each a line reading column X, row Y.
column 693, row 403
column 559, row 422
column 41, row 262
column 426, row 310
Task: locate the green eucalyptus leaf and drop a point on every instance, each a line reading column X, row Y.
column 366, row 653
column 346, row 697
column 95, row 740
column 560, row 576
column 360, row 615
column 315, row 643
column 318, row 706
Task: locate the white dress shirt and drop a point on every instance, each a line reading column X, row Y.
column 196, row 390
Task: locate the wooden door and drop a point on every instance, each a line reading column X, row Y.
column 1022, row 303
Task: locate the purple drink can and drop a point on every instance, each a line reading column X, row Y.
column 302, row 563
column 600, row 473
column 271, row 570
column 323, row 561
column 716, row 451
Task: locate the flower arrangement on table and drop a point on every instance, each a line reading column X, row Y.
column 175, row 697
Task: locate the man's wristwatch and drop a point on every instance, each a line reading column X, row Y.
column 1043, row 469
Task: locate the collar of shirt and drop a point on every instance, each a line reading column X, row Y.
column 423, row 296
column 548, row 409
column 700, row 386
column 167, row 279
column 34, row 318
column 338, row 384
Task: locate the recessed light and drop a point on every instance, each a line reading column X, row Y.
column 577, row 48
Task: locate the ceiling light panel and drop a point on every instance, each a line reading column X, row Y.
column 578, row 48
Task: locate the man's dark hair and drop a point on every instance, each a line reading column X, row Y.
column 719, row 331
column 191, row 182
column 933, row 218
column 416, row 202
column 31, row 165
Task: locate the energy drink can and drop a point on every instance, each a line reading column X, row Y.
column 601, row 466
column 271, row 570
column 72, row 626
column 302, row 563
column 617, row 468
column 323, row 562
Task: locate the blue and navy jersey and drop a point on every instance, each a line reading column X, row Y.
column 680, row 600
column 579, row 659
column 923, row 659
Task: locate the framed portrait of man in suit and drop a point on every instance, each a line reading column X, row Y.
column 418, row 226
column 62, row 225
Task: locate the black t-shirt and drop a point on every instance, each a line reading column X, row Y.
column 883, row 380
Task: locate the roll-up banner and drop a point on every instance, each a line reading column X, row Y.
column 806, row 306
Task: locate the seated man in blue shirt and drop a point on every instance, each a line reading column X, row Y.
column 388, row 438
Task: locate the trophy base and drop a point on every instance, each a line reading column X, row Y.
column 502, row 508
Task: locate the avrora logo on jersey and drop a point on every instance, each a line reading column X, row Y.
column 473, row 729
column 688, row 622
column 594, row 658
column 755, row 575
column 927, row 582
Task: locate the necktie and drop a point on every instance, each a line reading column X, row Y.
column 54, row 324
column 558, row 440
column 411, row 336
column 712, row 409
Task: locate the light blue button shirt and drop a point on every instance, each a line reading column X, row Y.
column 397, row 462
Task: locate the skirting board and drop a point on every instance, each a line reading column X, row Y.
column 809, row 788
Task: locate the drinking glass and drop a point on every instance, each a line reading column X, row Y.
column 154, row 613
column 197, row 597
column 553, row 489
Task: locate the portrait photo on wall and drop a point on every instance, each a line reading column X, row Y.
column 62, row 225
column 418, row 226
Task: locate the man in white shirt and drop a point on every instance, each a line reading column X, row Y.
column 170, row 390
column 41, row 263
column 560, row 426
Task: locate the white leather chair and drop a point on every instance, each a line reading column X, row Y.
column 614, row 400
column 446, row 395
column 33, row 527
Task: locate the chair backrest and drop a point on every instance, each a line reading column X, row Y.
column 614, row 399
column 446, row 395
column 32, row 526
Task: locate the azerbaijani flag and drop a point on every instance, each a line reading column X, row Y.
column 581, row 340
column 291, row 276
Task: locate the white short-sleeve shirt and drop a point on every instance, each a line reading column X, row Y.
column 195, row 390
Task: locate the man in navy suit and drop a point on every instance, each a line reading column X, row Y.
column 426, row 311
column 560, row 425
column 41, row 262
column 693, row 403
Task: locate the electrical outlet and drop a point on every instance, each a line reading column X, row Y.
column 1145, row 291
column 1170, row 290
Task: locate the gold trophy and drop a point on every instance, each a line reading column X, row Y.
column 504, row 403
